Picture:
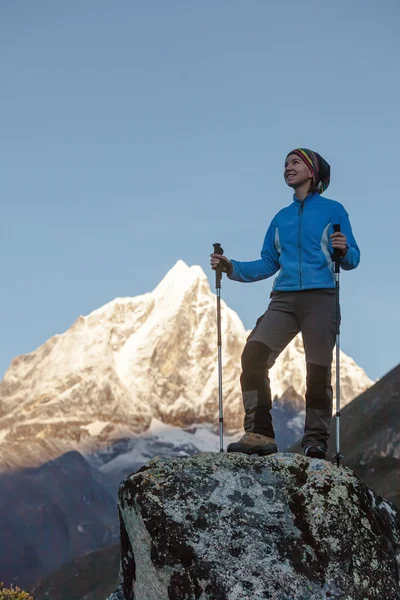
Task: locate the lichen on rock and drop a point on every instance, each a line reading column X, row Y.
column 232, row 527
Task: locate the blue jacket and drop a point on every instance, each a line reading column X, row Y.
column 298, row 245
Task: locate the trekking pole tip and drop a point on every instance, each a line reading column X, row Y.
column 337, row 457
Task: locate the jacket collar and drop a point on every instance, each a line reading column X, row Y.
column 306, row 199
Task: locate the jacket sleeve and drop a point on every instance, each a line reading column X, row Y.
column 256, row 270
column 352, row 257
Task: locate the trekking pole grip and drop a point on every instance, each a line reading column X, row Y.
column 218, row 270
column 336, row 251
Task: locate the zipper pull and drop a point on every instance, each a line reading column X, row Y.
column 301, row 207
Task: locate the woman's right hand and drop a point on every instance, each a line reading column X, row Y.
column 217, row 259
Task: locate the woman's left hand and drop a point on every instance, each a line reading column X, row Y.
column 339, row 241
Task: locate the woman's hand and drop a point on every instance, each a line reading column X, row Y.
column 339, row 241
column 217, row 259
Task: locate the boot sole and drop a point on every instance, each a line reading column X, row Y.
column 319, row 455
column 246, row 449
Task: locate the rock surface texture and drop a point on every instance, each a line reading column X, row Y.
column 230, row 527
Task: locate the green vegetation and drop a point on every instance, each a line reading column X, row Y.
column 13, row 593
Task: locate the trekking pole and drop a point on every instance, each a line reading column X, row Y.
column 218, row 277
column 336, row 259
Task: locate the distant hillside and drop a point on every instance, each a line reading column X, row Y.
column 91, row 577
column 52, row 514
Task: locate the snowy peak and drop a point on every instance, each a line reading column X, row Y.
column 179, row 280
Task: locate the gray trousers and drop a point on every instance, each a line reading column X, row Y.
column 313, row 312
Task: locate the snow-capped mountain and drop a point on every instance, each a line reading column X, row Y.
column 133, row 360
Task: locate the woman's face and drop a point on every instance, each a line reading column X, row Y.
column 296, row 171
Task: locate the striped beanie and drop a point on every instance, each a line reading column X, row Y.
column 318, row 166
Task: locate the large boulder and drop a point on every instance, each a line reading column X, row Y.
column 231, row 527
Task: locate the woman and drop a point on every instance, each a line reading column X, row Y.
column 299, row 244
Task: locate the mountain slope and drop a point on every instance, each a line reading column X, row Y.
column 52, row 514
column 370, row 436
column 90, row 577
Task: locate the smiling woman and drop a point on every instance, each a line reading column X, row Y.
column 299, row 245
column 297, row 173
column 306, row 172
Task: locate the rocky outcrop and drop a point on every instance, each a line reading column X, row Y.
column 117, row 595
column 232, row 527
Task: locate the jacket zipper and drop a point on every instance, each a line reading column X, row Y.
column 301, row 216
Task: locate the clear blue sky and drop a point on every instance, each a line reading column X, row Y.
column 137, row 133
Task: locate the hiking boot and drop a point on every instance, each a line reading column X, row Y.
column 254, row 443
column 315, row 452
